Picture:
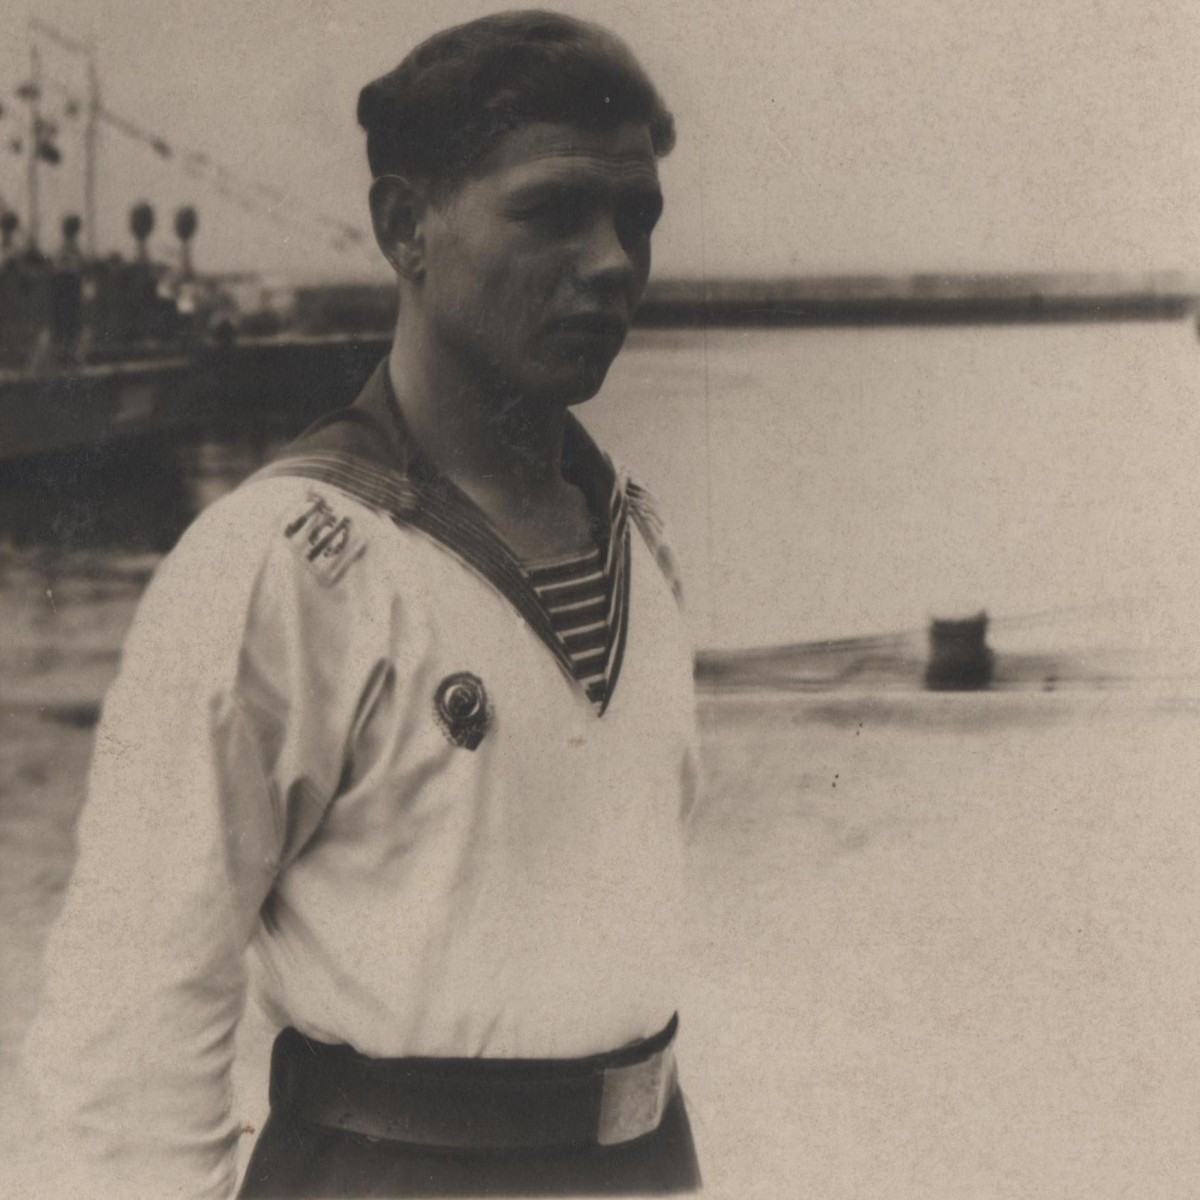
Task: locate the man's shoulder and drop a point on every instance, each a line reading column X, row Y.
column 270, row 522
column 643, row 503
column 272, row 552
column 647, row 517
column 245, row 526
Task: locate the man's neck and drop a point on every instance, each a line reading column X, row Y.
column 503, row 451
column 477, row 436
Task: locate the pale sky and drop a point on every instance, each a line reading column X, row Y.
column 835, row 136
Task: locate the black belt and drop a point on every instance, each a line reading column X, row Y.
column 484, row 1103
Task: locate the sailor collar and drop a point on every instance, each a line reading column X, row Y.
column 368, row 452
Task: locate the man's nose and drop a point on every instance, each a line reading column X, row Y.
column 606, row 264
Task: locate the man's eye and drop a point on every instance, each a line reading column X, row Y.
column 564, row 214
column 638, row 220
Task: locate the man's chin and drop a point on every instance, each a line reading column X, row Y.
column 572, row 383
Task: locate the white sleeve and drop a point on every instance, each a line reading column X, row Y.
column 179, row 843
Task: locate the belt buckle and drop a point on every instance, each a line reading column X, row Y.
column 634, row 1098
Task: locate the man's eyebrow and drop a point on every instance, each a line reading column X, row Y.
column 547, row 189
column 538, row 190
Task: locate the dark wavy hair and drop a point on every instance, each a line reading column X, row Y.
column 452, row 98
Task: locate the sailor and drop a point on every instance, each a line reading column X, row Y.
column 403, row 736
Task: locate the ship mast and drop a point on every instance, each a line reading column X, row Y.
column 91, row 143
column 38, row 27
column 35, row 138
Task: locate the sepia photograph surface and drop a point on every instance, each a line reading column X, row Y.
column 914, row 386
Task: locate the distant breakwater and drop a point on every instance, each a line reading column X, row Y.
column 822, row 301
column 922, row 299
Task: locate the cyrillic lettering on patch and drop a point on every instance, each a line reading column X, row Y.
column 326, row 540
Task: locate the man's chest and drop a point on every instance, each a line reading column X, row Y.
column 471, row 708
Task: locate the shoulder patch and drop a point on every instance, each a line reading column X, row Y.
column 325, row 539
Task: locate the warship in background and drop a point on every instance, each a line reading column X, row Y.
column 97, row 348
column 69, row 311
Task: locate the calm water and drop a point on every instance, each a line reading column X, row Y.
column 834, row 483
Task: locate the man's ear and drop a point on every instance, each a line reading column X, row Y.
column 397, row 213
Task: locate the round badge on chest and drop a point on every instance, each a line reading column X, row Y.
column 461, row 707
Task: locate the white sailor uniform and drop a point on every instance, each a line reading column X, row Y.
column 344, row 738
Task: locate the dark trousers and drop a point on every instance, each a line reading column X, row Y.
column 295, row 1159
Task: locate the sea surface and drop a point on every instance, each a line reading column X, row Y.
column 820, row 486
column 847, row 482
column 835, row 483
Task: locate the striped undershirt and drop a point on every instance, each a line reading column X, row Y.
column 577, row 594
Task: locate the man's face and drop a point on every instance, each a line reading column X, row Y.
column 534, row 265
